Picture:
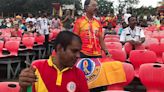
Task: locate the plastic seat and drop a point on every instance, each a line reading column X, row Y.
column 1, row 47
column 50, row 37
column 112, row 36
column 158, row 49
column 28, row 42
column 9, row 87
column 112, row 40
column 150, row 41
column 15, row 39
column 139, row 57
column 118, row 55
column 151, row 76
column 128, row 47
column 40, row 39
column 28, row 35
column 129, row 70
column 12, row 47
column 114, row 45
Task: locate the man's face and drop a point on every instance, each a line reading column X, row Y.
column 70, row 55
column 92, row 7
column 133, row 21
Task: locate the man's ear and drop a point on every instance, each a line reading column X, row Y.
column 59, row 48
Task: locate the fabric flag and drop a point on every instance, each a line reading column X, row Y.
column 101, row 71
column 60, row 12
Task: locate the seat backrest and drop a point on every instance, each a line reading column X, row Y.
column 112, row 40
column 114, row 45
column 151, row 76
column 28, row 35
column 9, row 87
column 157, row 48
column 129, row 71
column 138, row 57
column 15, row 39
column 12, row 47
column 112, row 36
column 150, row 41
column 40, row 39
column 1, row 47
column 28, row 42
column 119, row 55
column 50, row 36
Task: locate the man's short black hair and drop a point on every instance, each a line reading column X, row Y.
column 64, row 38
column 131, row 17
column 86, row 3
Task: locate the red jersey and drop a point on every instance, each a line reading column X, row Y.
column 51, row 79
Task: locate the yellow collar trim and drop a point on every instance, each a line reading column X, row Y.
column 59, row 73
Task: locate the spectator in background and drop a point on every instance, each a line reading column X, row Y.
column 67, row 20
column 124, row 25
column 161, row 28
column 110, row 30
column 90, row 31
column 30, row 27
column 132, row 34
column 56, row 23
column 16, row 32
column 127, row 15
column 3, row 25
column 30, row 18
column 43, row 29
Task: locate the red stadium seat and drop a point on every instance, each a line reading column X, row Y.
column 158, row 49
column 118, row 55
column 151, row 76
column 129, row 71
column 40, row 39
column 9, row 87
column 28, row 35
column 12, row 47
column 28, row 42
column 114, row 45
column 112, row 36
column 50, row 37
column 1, row 47
column 112, row 40
column 128, row 47
column 162, row 41
column 15, row 39
column 149, row 41
column 139, row 57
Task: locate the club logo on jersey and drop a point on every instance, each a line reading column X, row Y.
column 91, row 68
column 71, row 87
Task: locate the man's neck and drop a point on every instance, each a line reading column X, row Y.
column 56, row 61
column 89, row 16
column 132, row 27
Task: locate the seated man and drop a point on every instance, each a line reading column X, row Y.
column 132, row 34
column 58, row 73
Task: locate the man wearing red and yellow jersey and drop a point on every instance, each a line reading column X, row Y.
column 90, row 31
column 58, row 73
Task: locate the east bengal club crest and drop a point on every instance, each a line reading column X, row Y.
column 91, row 68
column 71, row 86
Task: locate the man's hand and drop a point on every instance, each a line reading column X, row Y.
column 27, row 77
column 107, row 53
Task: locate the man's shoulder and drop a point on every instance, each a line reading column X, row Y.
column 40, row 63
